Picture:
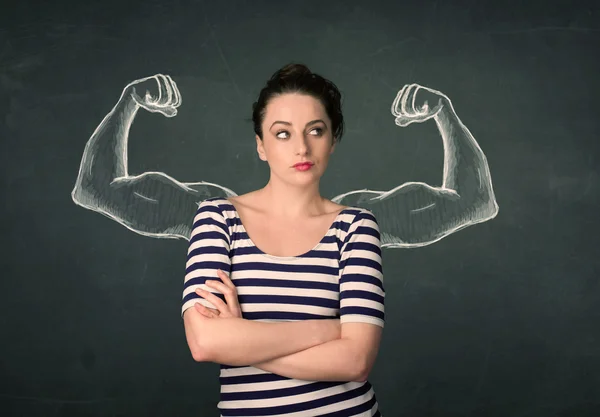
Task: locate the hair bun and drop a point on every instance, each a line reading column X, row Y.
column 289, row 72
column 297, row 77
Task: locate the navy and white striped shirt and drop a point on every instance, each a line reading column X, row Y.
column 341, row 277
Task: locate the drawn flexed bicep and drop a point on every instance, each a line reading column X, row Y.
column 418, row 214
column 153, row 204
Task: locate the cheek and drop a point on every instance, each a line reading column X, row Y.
column 324, row 149
column 278, row 155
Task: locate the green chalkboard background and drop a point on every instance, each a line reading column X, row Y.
column 501, row 318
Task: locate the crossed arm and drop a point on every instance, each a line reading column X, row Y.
column 347, row 358
column 314, row 350
column 342, row 349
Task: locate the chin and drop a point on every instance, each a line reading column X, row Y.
column 313, row 179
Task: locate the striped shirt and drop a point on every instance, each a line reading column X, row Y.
column 341, row 277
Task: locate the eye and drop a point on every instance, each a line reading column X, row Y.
column 279, row 133
column 319, row 129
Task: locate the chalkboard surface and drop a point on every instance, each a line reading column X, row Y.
column 492, row 302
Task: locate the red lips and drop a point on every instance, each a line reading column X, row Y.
column 304, row 163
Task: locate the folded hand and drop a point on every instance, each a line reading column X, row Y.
column 231, row 309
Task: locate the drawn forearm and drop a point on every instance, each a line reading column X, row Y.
column 105, row 155
column 466, row 170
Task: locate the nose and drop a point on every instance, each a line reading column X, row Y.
column 301, row 145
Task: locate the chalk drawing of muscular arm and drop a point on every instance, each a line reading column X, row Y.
column 416, row 214
column 153, row 203
column 410, row 215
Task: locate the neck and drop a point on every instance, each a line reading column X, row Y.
column 289, row 202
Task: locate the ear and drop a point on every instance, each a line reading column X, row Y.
column 260, row 148
column 333, row 146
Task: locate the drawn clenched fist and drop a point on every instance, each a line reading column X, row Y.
column 157, row 94
column 416, row 104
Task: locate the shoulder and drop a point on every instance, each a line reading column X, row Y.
column 212, row 214
column 364, row 214
column 218, row 208
column 356, row 212
column 359, row 215
column 220, row 202
column 362, row 225
column 211, row 203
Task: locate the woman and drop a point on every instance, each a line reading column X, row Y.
column 296, row 318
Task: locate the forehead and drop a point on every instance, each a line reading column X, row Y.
column 294, row 107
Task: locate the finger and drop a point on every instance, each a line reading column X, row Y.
column 167, row 92
column 212, row 310
column 176, row 94
column 168, row 111
column 169, row 87
column 226, row 287
column 395, row 108
column 225, row 278
column 229, row 292
column 413, row 98
column 403, row 121
column 205, row 311
column 407, row 99
column 154, row 100
column 216, row 301
column 402, row 100
column 218, row 286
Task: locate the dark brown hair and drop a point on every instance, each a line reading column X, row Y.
column 295, row 77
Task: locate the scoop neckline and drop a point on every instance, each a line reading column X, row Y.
column 261, row 252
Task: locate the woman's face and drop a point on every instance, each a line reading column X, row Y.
column 296, row 129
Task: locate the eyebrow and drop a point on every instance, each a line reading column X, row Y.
column 289, row 124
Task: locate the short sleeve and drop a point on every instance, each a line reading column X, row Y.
column 208, row 250
column 362, row 293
